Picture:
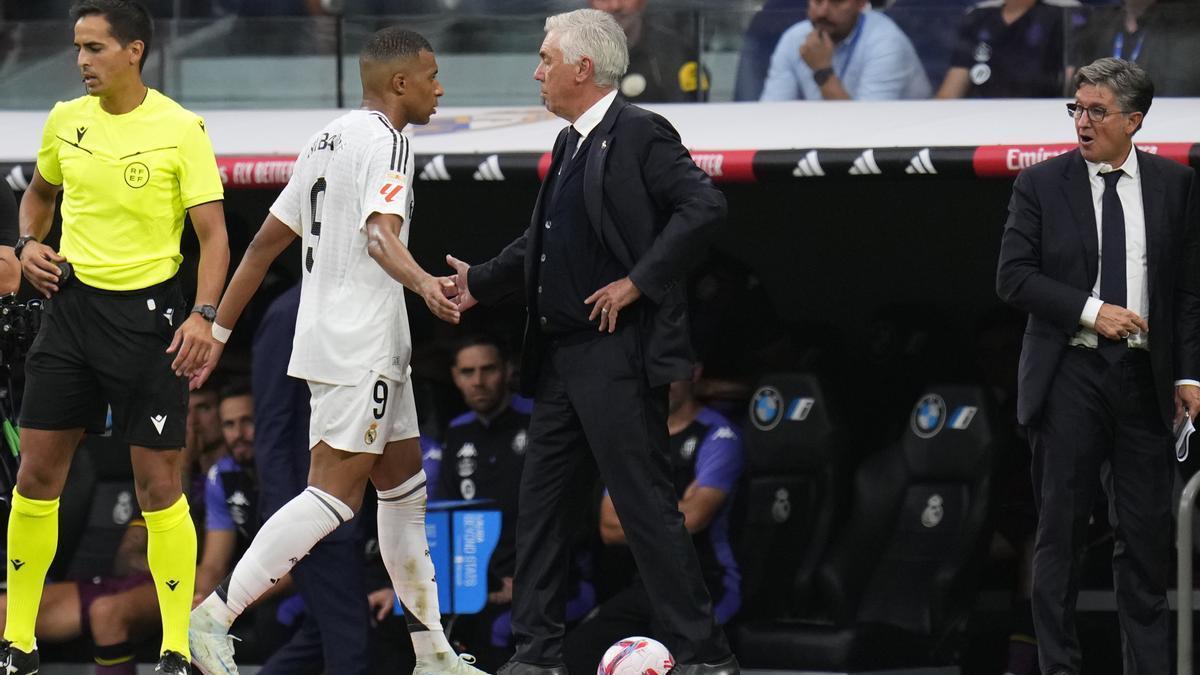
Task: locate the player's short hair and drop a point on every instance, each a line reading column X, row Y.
column 479, row 340
column 234, row 387
column 1130, row 84
column 393, row 42
column 128, row 20
column 596, row 35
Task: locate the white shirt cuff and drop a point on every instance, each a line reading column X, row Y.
column 1091, row 309
column 1194, row 383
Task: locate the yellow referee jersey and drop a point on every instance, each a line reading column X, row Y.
column 128, row 181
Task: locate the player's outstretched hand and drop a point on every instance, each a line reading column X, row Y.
column 436, row 292
column 464, row 299
column 200, row 376
column 608, row 302
column 39, row 264
column 191, row 345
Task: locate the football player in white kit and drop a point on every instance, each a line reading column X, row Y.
column 350, row 200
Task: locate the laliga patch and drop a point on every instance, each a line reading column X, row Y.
column 393, row 186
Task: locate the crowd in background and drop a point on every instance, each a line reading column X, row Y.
column 793, row 49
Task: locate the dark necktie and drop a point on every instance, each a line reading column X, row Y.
column 1112, row 256
column 564, row 164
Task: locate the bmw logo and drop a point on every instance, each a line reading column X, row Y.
column 929, row 416
column 766, row 408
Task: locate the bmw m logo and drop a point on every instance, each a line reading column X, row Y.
column 766, row 408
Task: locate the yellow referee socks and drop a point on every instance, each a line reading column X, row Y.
column 171, row 551
column 32, row 540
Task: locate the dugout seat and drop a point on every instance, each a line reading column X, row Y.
column 795, row 487
column 899, row 581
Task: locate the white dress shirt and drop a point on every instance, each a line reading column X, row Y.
column 1129, row 189
column 592, row 117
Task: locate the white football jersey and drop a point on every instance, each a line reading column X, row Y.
column 352, row 317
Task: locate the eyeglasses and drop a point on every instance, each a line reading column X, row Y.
column 1096, row 114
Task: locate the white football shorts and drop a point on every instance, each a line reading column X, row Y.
column 364, row 417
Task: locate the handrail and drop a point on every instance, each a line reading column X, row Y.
column 1184, row 581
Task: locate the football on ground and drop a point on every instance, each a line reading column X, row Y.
column 636, row 656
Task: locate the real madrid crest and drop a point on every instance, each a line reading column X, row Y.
column 372, row 433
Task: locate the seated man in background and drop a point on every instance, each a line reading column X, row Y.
column 663, row 65
column 231, row 490
column 845, row 51
column 706, row 465
column 1012, row 49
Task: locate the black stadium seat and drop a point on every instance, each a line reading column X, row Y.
column 899, row 581
column 796, row 485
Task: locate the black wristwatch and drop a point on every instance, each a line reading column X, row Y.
column 21, row 241
column 822, row 76
column 206, row 312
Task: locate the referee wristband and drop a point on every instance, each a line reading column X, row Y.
column 220, row 333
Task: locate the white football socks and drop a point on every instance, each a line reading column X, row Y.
column 405, row 552
column 281, row 542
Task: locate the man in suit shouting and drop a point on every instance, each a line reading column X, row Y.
column 622, row 215
column 1102, row 249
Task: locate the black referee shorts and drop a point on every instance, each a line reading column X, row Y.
column 99, row 348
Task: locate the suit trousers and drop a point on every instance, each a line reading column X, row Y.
column 1098, row 411
column 592, row 394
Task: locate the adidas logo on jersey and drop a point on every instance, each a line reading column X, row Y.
column 809, row 166
column 435, row 169
column 864, row 165
column 489, row 169
column 920, row 163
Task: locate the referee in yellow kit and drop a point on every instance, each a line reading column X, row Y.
column 115, row 331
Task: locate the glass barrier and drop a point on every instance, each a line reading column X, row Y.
column 703, row 50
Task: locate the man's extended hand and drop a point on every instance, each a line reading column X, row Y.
column 191, row 345
column 1117, row 323
column 437, row 291
column 39, row 265
column 381, row 602
column 1187, row 399
column 200, row 376
column 608, row 302
column 464, row 298
column 817, row 50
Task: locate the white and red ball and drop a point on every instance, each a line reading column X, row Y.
column 636, row 656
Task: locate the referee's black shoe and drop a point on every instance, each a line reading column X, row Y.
column 13, row 661
column 173, row 663
column 728, row 666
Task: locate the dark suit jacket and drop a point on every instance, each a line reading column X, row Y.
column 1049, row 260
column 655, row 211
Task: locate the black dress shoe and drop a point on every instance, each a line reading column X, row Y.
column 518, row 668
column 728, row 666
